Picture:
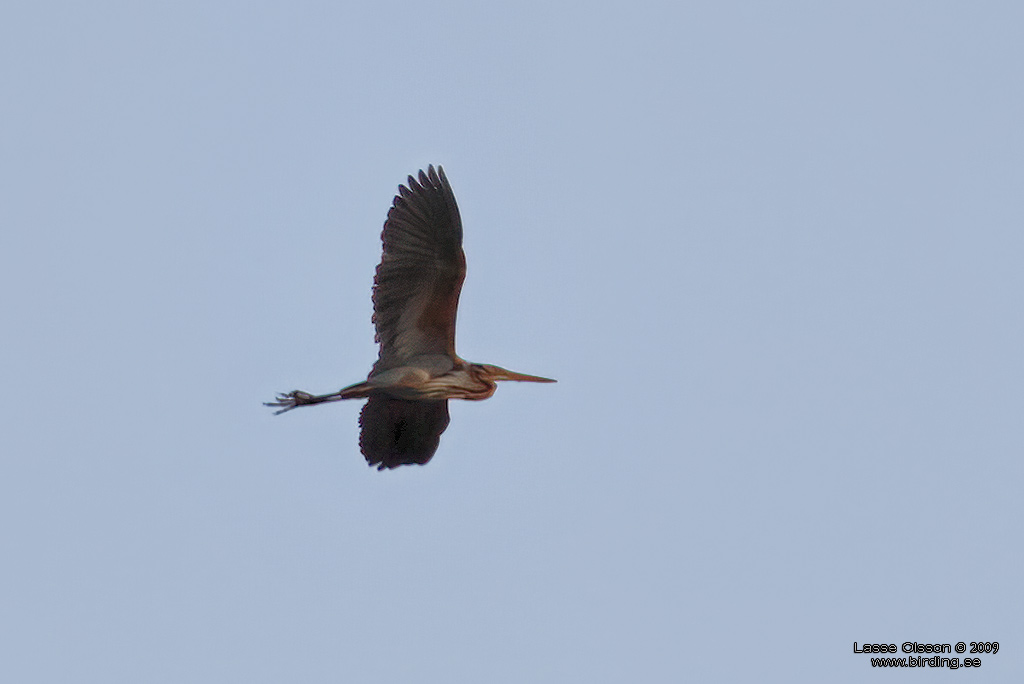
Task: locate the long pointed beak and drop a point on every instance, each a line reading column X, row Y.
column 521, row 377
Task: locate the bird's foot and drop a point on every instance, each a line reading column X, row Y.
column 288, row 401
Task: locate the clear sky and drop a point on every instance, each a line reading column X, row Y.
column 771, row 251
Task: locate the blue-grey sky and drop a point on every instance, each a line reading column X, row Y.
column 771, row 251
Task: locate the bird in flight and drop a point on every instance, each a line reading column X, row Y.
column 415, row 298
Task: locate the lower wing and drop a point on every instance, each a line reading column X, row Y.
column 401, row 432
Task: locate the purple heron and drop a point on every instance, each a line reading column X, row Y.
column 415, row 297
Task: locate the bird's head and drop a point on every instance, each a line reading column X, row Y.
column 498, row 373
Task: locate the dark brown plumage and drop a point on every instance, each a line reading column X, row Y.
column 415, row 300
column 419, row 279
column 396, row 432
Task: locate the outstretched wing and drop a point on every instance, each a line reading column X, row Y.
column 400, row 432
column 416, row 289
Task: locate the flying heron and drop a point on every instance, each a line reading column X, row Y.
column 415, row 297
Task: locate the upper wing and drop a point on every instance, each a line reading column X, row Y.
column 398, row 432
column 416, row 289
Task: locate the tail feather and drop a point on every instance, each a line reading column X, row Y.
column 356, row 391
